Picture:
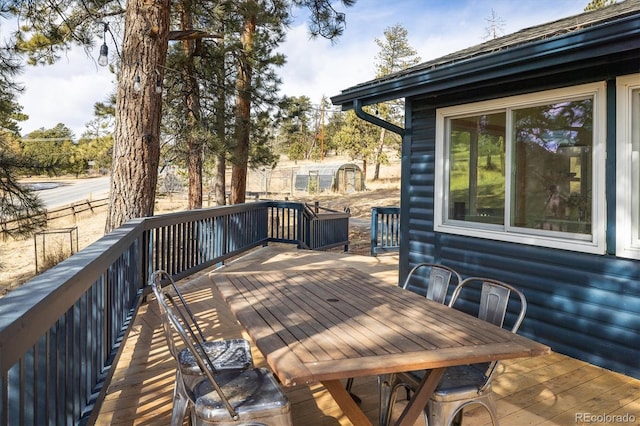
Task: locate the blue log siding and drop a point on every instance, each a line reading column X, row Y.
column 585, row 306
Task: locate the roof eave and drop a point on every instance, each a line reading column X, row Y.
column 591, row 43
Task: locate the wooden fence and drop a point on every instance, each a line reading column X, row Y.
column 73, row 210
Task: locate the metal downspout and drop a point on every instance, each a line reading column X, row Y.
column 357, row 106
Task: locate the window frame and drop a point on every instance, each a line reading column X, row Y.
column 588, row 243
column 627, row 167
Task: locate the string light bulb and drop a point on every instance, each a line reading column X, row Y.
column 137, row 85
column 103, row 59
column 158, row 83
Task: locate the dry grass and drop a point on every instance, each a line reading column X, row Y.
column 52, row 257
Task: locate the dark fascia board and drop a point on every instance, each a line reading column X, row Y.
column 592, row 44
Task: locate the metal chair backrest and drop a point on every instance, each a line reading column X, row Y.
column 169, row 310
column 166, row 325
column 158, row 277
column 439, row 280
column 494, row 301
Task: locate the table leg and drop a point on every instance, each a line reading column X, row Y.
column 420, row 397
column 346, row 403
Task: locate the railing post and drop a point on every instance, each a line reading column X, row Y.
column 304, row 224
column 347, row 210
column 374, row 230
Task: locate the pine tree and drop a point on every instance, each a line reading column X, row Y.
column 52, row 26
column 597, row 4
column 17, row 202
column 395, row 55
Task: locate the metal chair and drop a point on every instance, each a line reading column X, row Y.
column 248, row 397
column 227, row 354
column 464, row 385
column 439, row 278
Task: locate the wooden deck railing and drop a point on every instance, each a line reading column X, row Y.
column 385, row 230
column 323, row 228
column 61, row 332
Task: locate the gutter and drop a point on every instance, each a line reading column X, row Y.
column 357, row 106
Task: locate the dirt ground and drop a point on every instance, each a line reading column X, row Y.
column 18, row 257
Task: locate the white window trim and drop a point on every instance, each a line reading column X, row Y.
column 627, row 171
column 594, row 243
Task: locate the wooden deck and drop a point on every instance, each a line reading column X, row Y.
column 548, row 390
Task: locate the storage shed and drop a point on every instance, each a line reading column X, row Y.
column 519, row 163
column 336, row 177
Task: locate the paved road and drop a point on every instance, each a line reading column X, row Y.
column 62, row 193
column 359, row 223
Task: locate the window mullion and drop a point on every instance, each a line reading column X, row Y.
column 508, row 172
column 634, row 124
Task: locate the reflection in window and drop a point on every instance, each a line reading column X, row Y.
column 477, row 168
column 552, row 185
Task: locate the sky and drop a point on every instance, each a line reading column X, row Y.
column 66, row 92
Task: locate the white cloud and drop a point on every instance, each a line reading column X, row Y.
column 63, row 93
column 435, row 28
column 316, row 67
column 66, row 92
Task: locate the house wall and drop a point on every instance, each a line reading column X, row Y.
column 585, row 306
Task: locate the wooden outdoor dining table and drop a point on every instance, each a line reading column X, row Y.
column 328, row 325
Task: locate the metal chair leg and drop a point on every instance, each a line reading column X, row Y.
column 180, row 401
column 348, row 386
column 384, row 396
column 450, row 413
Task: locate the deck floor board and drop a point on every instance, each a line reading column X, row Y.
column 547, row 390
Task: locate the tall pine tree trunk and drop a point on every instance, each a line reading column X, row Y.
column 220, row 186
column 376, row 173
column 221, row 178
column 240, row 155
column 192, row 108
column 136, row 149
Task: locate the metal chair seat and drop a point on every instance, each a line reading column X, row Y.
column 255, row 395
column 226, row 355
column 461, row 379
column 458, row 379
column 460, row 387
column 230, row 355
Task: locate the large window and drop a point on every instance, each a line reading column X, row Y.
column 628, row 167
column 525, row 169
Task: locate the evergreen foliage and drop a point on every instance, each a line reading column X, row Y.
column 597, row 4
